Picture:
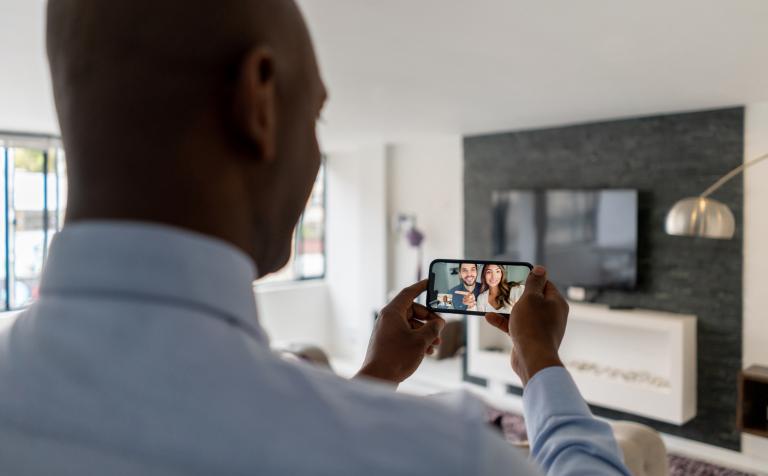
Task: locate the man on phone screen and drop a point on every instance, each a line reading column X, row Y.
column 465, row 294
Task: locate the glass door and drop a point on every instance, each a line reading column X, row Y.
column 28, row 223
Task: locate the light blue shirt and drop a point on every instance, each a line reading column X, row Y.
column 144, row 356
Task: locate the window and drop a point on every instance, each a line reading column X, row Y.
column 31, row 212
column 308, row 255
column 32, row 205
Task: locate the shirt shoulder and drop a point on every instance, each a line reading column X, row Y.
column 446, row 434
column 234, row 406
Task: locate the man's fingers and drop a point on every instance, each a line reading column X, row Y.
column 423, row 313
column 537, row 281
column 498, row 321
column 551, row 291
column 418, row 325
column 419, row 317
column 431, row 329
column 409, row 312
column 407, row 295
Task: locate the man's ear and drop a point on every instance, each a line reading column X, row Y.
column 255, row 105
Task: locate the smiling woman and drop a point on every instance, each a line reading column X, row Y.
column 32, row 203
column 497, row 293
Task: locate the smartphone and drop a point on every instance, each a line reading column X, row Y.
column 475, row 287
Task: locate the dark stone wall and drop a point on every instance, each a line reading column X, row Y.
column 666, row 158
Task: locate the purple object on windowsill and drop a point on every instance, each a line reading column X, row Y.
column 414, row 237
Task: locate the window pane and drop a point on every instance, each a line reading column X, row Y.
column 55, row 196
column 27, row 224
column 310, row 239
column 3, row 280
column 308, row 250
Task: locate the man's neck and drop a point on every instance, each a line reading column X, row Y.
column 138, row 196
column 470, row 288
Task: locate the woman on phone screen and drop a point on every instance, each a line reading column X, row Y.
column 497, row 294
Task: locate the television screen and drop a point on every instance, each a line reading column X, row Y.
column 585, row 238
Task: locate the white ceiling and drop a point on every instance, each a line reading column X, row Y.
column 398, row 69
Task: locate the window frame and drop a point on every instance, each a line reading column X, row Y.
column 324, row 170
column 274, row 279
column 45, row 143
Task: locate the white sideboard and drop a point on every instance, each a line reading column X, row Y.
column 635, row 361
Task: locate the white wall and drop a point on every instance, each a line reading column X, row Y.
column 26, row 103
column 284, row 314
column 356, row 245
column 425, row 179
column 337, row 312
column 756, row 255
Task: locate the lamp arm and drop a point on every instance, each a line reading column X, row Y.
column 731, row 175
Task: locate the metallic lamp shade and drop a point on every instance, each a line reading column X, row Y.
column 701, row 217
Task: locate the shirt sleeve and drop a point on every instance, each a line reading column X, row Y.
column 564, row 436
column 457, row 299
column 488, row 453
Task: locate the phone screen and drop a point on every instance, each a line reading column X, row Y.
column 475, row 286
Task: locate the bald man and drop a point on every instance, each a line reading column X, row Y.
column 190, row 136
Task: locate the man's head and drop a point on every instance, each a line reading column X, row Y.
column 194, row 115
column 468, row 273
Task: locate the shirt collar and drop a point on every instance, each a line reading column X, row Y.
column 151, row 261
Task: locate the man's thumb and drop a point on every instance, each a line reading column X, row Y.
column 537, row 280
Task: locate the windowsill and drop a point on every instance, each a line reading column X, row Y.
column 278, row 286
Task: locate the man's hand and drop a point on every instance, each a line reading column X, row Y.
column 469, row 298
column 403, row 334
column 536, row 325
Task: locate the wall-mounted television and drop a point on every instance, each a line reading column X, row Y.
column 585, row 238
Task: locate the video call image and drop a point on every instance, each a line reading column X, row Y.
column 476, row 288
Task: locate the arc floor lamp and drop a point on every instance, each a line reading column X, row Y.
column 703, row 216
